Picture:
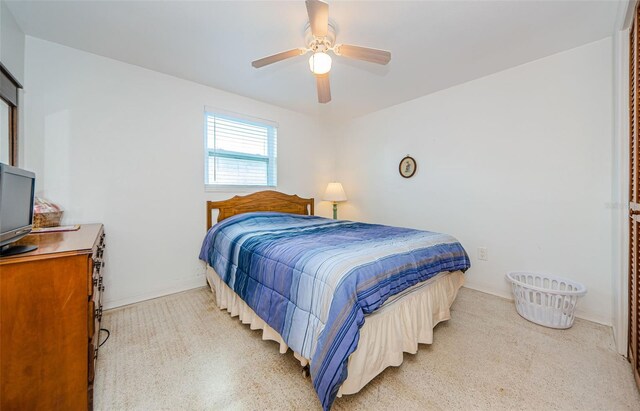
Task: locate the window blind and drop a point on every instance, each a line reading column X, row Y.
column 240, row 151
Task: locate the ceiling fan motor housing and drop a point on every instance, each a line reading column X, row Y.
column 320, row 43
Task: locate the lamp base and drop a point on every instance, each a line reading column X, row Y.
column 335, row 211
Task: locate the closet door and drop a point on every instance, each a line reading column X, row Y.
column 634, row 200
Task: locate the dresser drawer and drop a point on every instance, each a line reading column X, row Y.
column 93, row 357
column 91, row 319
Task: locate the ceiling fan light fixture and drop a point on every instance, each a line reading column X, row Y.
column 320, row 38
column 320, row 63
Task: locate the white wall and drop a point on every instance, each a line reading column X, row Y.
column 11, row 43
column 519, row 161
column 123, row 145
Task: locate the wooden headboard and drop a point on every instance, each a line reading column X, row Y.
column 261, row 201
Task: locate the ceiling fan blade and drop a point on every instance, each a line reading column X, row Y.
column 324, row 89
column 363, row 53
column 278, row 57
column 318, row 12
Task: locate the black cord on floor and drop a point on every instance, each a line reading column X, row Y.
column 105, row 340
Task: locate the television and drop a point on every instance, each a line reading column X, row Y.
column 17, row 191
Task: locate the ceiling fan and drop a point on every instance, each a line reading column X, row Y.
column 320, row 37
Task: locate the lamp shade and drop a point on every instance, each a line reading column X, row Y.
column 334, row 193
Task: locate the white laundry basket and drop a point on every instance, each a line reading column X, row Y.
column 546, row 299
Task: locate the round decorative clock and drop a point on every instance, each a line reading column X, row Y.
column 407, row 167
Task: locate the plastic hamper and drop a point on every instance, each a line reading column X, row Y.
column 546, row 299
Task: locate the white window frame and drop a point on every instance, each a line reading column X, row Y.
column 273, row 156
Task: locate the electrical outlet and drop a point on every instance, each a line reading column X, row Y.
column 483, row 254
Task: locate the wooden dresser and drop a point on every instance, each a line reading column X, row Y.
column 50, row 312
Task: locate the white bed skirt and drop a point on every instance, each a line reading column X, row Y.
column 397, row 327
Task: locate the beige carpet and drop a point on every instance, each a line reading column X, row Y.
column 182, row 353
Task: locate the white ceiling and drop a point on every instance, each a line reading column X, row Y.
column 434, row 44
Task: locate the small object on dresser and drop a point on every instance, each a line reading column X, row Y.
column 46, row 214
column 57, row 229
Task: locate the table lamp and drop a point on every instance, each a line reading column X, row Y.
column 335, row 193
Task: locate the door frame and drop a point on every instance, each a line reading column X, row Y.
column 620, row 209
column 620, row 192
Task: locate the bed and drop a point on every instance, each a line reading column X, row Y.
column 347, row 298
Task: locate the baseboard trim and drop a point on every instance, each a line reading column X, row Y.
column 189, row 284
column 579, row 314
column 200, row 281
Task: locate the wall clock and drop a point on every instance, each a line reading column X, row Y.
column 407, row 167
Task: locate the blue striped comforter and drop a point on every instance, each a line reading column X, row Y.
column 313, row 280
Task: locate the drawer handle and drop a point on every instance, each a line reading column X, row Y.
column 98, row 313
column 97, row 282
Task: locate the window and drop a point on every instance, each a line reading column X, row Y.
column 8, row 117
column 240, row 151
